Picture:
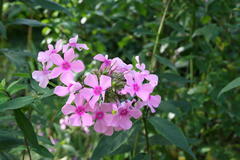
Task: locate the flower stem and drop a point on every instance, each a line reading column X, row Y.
column 153, row 60
column 28, row 149
column 146, row 131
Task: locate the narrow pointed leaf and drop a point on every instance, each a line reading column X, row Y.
column 235, row 83
column 16, row 103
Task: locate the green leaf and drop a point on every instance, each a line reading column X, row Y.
column 29, row 134
column 28, row 22
column 172, row 133
column 3, row 83
column 7, row 156
column 109, row 144
column 209, row 32
column 23, row 75
column 167, row 106
column 51, row 5
column 166, row 62
column 26, row 127
column 14, row 87
column 159, row 140
column 8, row 142
column 16, row 103
column 235, row 83
column 42, row 151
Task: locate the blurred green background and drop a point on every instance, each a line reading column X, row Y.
column 197, row 54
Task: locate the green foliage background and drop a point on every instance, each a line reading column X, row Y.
column 196, row 55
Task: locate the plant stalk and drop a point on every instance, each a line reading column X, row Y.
column 153, row 60
column 146, row 131
column 28, row 149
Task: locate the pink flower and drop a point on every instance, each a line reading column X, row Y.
column 152, row 78
column 140, row 66
column 63, row 123
column 66, row 65
column 106, row 62
column 78, row 115
column 124, row 112
column 42, row 76
column 102, row 117
column 135, row 86
column 92, row 94
column 45, row 56
column 73, row 43
column 71, row 87
column 152, row 102
column 119, row 66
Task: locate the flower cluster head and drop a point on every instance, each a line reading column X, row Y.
column 108, row 98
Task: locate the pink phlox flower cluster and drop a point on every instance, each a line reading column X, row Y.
column 107, row 99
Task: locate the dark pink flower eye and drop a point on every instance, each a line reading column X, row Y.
column 136, row 87
column 99, row 115
column 46, row 72
column 107, row 62
column 97, row 90
column 80, row 110
column 53, row 51
column 123, row 112
column 66, row 66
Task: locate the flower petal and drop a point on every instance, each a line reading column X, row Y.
column 58, row 45
column 105, row 82
column 68, row 109
column 109, row 131
column 56, row 59
column 55, row 72
column 93, row 101
column 61, row 91
column 91, row 80
column 43, row 56
column 136, row 113
column 77, row 66
column 73, row 39
column 125, row 123
column 100, row 126
column 87, row 119
column 86, row 93
column 67, row 78
column 99, row 57
column 69, row 55
column 82, row 46
column 155, row 100
column 145, row 91
column 74, row 120
column 70, row 98
column 44, row 82
column 37, row 75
